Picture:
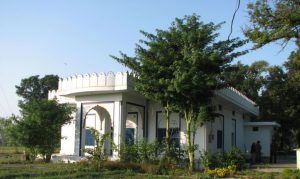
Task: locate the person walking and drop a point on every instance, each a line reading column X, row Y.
column 273, row 152
column 258, row 151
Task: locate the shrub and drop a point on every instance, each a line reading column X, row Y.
column 207, row 160
column 96, row 155
column 234, row 157
column 141, row 152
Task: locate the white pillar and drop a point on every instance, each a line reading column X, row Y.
column 119, row 118
column 298, row 158
column 78, row 129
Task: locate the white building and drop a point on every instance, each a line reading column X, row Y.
column 108, row 103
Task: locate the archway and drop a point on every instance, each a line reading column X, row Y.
column 98, row 118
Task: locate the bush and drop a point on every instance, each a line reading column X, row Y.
column 207, row 160
column 234, row 157
column 141, row 152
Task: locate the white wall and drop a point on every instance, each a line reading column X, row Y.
column 264, row 135
column 67, row 142
column 239, row 116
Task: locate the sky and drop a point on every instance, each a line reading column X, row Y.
column 67, row 37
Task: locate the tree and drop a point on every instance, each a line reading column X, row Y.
column 248, row 79
column 35, row 88
column 272, row 21
column 152, row 67
column 184, row 65
column 5, row 125
column 39, row 128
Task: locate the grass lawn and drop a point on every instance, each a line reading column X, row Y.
column 12, row 165
column 61, row 171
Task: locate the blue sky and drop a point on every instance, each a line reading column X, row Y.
column 67, row 37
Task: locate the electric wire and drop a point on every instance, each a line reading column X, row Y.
column 233, row 17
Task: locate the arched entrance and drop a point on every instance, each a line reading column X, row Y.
column 98, row 118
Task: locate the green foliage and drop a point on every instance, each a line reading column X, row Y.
column 165, row 166
column 248, row 79
column 39, row 129
column 290, row 173
column 6, row 131
column 272, row 21
column 207, row 160
column 96, row 154
column 141, row 152
column 35, row 88
column 181, row 67
column 234, row 157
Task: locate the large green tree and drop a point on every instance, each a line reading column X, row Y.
column 184, row 65
column 248, row 79
column 273, row 21
column 38, row 129
column 152, row 67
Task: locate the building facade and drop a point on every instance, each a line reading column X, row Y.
column 108, row 103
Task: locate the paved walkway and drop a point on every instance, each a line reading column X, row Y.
column 283, row 162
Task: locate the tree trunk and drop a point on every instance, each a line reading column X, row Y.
column 188, row 119
column 193, row 139
column 27, row 155
column 167, row 118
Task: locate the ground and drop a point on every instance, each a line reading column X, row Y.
column 12, row 165
column 283, row 162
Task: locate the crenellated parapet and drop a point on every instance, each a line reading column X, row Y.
column 100, row 83
column 94, row 82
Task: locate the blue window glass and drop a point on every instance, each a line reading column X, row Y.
column 129, row 136
column 89, row 138
column 174, row 136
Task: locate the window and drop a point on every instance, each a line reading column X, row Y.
column 220, row 107
column 89, row 138
column 255, row 129
column 233, row 113
column 219, row 139
column 174, row 136
column 174, row 128
column 129, row 136
column 232, row 139
column 90, row 123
